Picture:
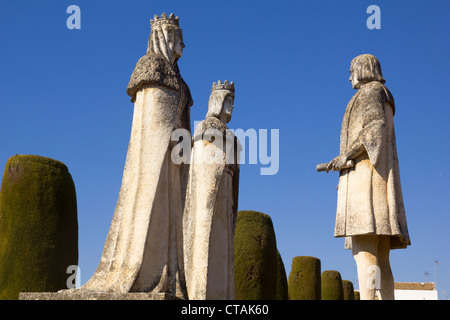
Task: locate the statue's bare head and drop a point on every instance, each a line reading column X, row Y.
column 363, row 69
column 166, row 37
column 221, row 101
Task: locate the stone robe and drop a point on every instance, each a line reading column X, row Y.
column 210, row 213
column 143, row 249
column 370, row 198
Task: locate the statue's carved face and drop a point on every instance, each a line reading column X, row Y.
column 220, row 105
column 353, row 79
column 228, row 108
column 178, row 45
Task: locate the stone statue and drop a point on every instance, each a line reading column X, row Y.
column 143, row 249
column 370, row 210
column 211, row 201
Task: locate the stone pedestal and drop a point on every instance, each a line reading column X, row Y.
column 92, row 295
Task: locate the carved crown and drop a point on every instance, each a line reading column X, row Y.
column 157, row 21
column 223, row 86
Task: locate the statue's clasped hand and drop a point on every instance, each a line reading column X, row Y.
column 337, row 163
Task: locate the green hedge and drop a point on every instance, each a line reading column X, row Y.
column 347, row 287
column 332, row 285
column 305, row 279
column 38, row 226
column 255, row 257
column 282, row 285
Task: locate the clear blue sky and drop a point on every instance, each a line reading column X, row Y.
column 62, row 95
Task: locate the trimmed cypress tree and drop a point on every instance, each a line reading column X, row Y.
column 332, row 285
column 255, row 257
column 357, row 297
column 347, row 287
column 38, row 226
column 282, row 285
column 305, row 279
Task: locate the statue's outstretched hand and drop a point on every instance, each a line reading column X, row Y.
column 337, row 163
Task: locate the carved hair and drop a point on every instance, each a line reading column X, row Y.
column 162, row 39
column 367, row 68
column 216, row 102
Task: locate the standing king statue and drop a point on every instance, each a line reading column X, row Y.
column 370, row 210
column 143, row 249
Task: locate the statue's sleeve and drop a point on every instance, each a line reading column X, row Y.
column 373, row 133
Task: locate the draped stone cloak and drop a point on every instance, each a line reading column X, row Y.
column 143, row 248
column 370, row 198
column 210, row 213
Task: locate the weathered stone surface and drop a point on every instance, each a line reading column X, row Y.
column 211, row 203
column 369, row 195
column 159, row 66
column 90, row 295
column 370, row 210
column 143, row 249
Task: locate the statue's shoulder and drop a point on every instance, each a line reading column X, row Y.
column 152, row 69
column 213, row 127
column 376, row 91
column 148, row 66
column 373, row 88
column 210, row 125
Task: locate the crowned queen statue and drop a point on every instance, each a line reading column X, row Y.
column 211, row 201
column 143, row 249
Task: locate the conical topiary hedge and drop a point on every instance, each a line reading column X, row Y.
column 255, row 257
column 347, row 287
column 282, row 285
column 305, row 279
column 38, row 226
column 331, row 285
